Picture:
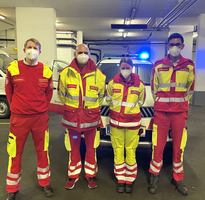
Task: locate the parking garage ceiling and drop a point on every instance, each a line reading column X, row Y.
column 95, row 17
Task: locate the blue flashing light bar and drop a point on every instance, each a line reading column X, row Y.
column 144, row 55
column 111, row 55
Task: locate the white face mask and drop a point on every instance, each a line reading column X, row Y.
column 31, row 54
column 82, row 58
column 175, row 51
column 126, row 73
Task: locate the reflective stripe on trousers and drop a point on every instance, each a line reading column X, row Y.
column 171, row 99
column 125, row 124
column 84, row 125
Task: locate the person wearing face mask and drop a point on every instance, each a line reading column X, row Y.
column 125, row 95
column 172, row 85
column 29, row 90
column 81, row 89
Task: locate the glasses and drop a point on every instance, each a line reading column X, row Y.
column 177, row 44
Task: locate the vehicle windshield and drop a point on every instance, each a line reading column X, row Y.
column 111, row 69
column 4, row 61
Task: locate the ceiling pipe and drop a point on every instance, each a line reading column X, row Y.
column 178, row 10
column 151, row 21
column 123, row 44
column 119, row 41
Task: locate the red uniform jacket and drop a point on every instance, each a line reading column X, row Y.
column 28, row 89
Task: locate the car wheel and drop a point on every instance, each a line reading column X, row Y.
column 4, row 108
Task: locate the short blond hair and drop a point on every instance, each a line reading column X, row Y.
column 37, row 43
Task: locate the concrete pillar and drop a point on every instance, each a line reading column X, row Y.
column 199, row 94
column 187, row 33
column 37, row 23
column 79, row 37
column 65, row 46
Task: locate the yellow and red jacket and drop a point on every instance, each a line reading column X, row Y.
column 82, row 93
column 28, row 88
column 172, row 86
column 125, row 99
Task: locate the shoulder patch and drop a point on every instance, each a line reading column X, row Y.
column 47, row 72
column 13, row 68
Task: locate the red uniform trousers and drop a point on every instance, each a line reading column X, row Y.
column 163, row 121
column 20, row 127
column 72, row 143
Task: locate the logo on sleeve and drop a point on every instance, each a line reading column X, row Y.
column 6, row 81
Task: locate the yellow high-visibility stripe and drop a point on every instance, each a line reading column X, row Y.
column 9, row 164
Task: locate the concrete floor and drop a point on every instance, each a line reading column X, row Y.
column 194, row 163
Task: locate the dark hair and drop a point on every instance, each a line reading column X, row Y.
column 175, row 35
column 126, row 60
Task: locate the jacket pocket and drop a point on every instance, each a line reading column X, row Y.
column 11, row 145
column 92, row 115
column 42, row 89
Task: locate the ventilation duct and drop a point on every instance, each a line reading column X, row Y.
column 178, row 10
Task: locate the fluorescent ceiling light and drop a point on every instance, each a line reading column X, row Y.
column 64, row 32
column 195, row 35
column 120, row 30
column 127, row 21
column 2, row 17
column 57, row 23
column 125, row 34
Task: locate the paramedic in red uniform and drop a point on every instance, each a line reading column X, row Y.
column 81, row 89
column 172, row 85
column 29, row 90
column 125, row 95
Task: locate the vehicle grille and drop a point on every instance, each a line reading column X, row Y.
column 145, row 111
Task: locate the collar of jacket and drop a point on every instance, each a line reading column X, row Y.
column 182, row 62
column 134, row 81
column 91, row 66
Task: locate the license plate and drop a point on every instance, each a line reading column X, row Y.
column 107, row 130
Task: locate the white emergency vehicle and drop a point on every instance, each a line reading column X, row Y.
column 141, row 66
column 5, row 59
column 110, row 67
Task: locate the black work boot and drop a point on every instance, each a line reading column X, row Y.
column 129, row 188
column 120, row 187
column 47, row 191
column 180, row 187
column 11, row 196
column 152, row 187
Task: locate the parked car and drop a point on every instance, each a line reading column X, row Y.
column 5, row 59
